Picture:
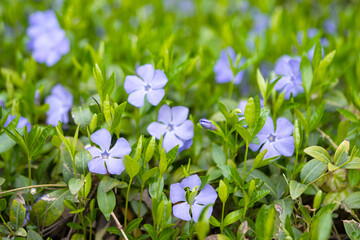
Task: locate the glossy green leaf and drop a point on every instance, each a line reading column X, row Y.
column 296, row 189
column 132, row 167
column 312, row 170
column 17, row 212
column 264, row 225
column 318, row 153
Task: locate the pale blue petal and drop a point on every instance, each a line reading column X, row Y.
column 179, row 114
column 154, row 96
column 120, row 149
column 206, row 196
column 146, row 72
column 159, row 80
column 177, row 193
column 191, row 182
column 133, row 83
column 156, row 129
column 114, row 165
column 185, row 131
column 182, row 211
column 136, row 98
column 284, row 128
column 97, row 165
column 285, row 146
column 171, row 141
column 164, row 114
column 94, row 151
column 102, row 138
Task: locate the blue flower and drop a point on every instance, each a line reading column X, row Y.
column 206, row 124
column 60, row 103
column 21, row 123
column 106, row 159
column 174, row 126
column 150, row 83
column 184, row 204
column 279, row 142
column 222, row 68
column 288, row 69
column 47, row 40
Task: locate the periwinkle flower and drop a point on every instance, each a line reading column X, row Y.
column 223, row 70
column 174, row 126
column 150, row 83
column 277, row 142
column 290, row 82
column 330, row 26
column 187, row 199
column 206, row 124
column 106, row 159
column 48, row 41
column 21, row 123
column 60, row 103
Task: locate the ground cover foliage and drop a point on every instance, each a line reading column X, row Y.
column 192, row 119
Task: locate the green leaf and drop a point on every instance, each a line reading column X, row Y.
column 326, row 61
column 133, row 225
column 316, row 116
column 109, row 183
column 17, row 213
column 150, row 150
column 352, row 229
column 353, row 200
column 261, row 83
column 317, row 55
column 342, row 152
column 119, row 111
column 244, row 133
column 82, row 116
column 138, row 148
column 213, row 221
column 110, row 85
column 99, row 81
column 348, row 115
column 75, row 185
column 223, row 109
column 312, row 170
column 296, row 189
column 223, row 191
column 353, row 177
column 233, row 217
column 6, row 143
column 132, row 167
column 21, row 232
column 302, row 119
column 306, row 74
column 321, row 226
column 152, row 172
column 297, row 135
column 77, row 210
column 50, row 207
column 265, row 221
column 32, row 235
column 82, row 159
column 107, row 112
column 162, row 162
column 218, row 155
column 318, row 153
column 151, row 231
column 353, row 164
column 3, row 204
column 250, row 116
column 106, row 200
column 74, row 225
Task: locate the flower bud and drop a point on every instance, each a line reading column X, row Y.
column 206, row 124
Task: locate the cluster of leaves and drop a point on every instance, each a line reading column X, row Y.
column 47, row 190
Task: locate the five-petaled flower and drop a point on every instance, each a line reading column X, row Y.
column 106, row 159
column 48, row 41
column 187, row 199
column 150, row 83
column 279, row 142
column 290, row 82
column 174, row 126
column 223, row 70
column 60, row 103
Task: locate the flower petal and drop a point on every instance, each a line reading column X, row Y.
column 196, row 211
column 102, row 138
column 164, row 114
column 171, row 141
column 177, row 193
column 239, row 77
column 94, row 151
column 154, row 96
column 272, row 152
column 206, row 196
column 284, row 128
column 97, row 166
column 285, row 146
column 159, row 80
column 136, row 98
column 268, row 127
column 146, row 72
column 120, row 149
column 254, row 147
column 191, row 182
column 156, row 129
column 186, row 145
column 185, row 131
column 182, row 211
column 133, row 83
column 114, row 165
column 179, row 114
column 282, row 67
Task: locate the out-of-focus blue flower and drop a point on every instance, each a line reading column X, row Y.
column 311, row 52
column 184, row 204
column 222, row 68
column 206, row 124
column 186, row 7
column 261, row 21
column 330, row 26
column 48, row 42
column 279, row 142
column 21, row 123
column 60, row 103
column 265, row 68
column 288, row 69
column 149, row 84
column 111, row 157
column 174, row 126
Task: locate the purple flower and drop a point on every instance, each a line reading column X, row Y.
column 150, row 83
column 112, row 158
column 223, row 70
column 288, row 69
column 261, row 21
column 47, row 40
column 187, row 199
column 330, row 26
column 21, row 123
column 206, row 124
column 60, row 103
column 279, row 142
column 174, row 126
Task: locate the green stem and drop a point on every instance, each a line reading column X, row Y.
column 74, row 166
column 140, row 200
column 158, row 190
column 222, row 219
column 12, row 232
column 34, row 186
column 295, row 164
column 29, row 169
column 245, row 159
column 231, row 88
column 127, row 201
column 306, row 143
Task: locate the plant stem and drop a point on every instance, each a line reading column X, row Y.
column 74, row 166
column 231, row 88
column 34, row 186
column 127, row 201
column 245, row 159
column 12, row 232
column 119, row 226
column 140, row 200
column 295, row 164
column 158, row 190
column 29, row 169
column 222, row 219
